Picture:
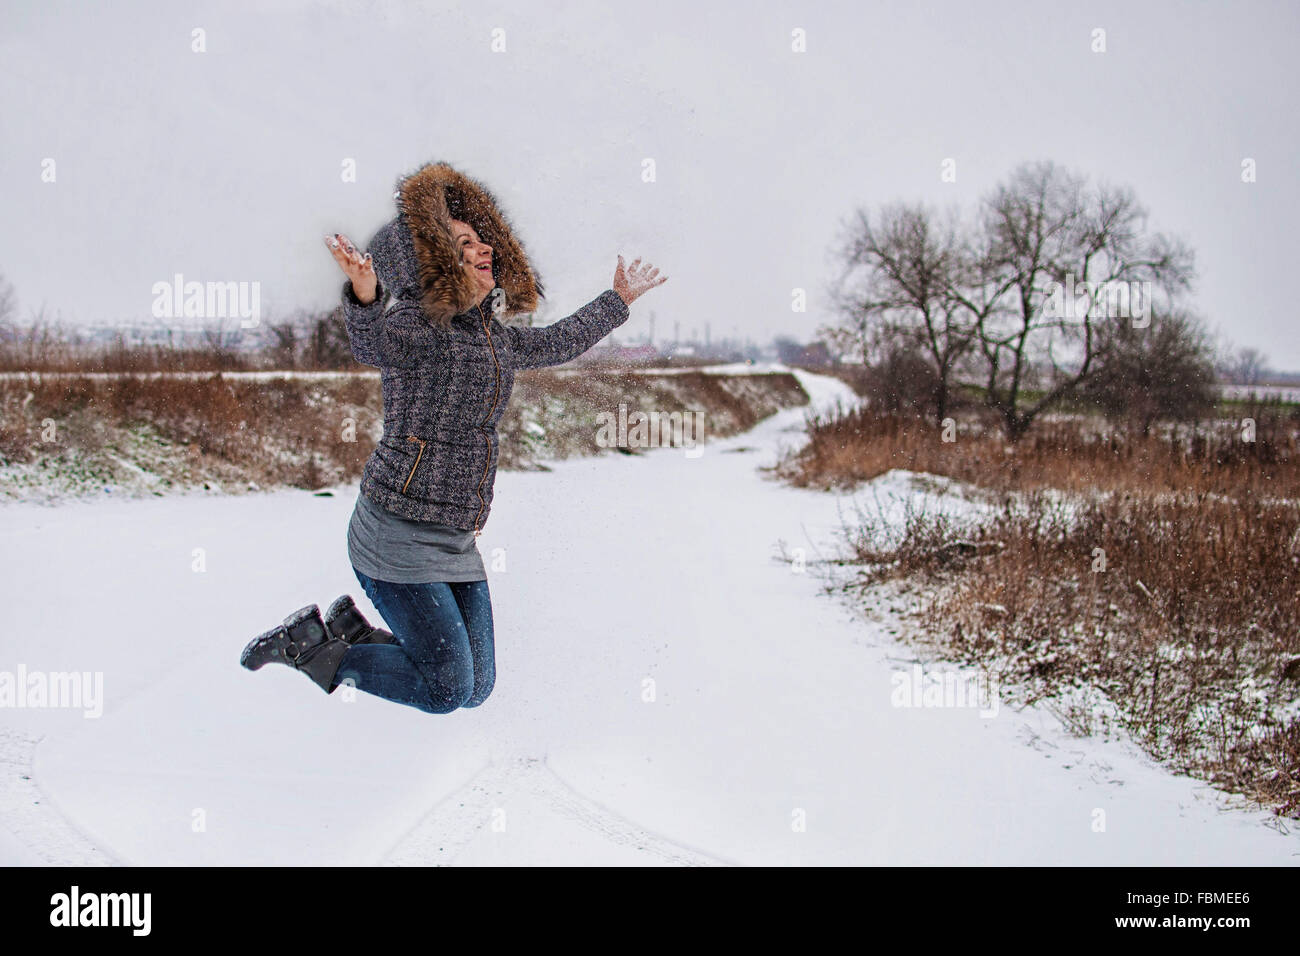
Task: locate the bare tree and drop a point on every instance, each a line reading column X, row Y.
column 900, row 377
column 43, row 342
column 905, row 310
column 1049, row 239
column 215, row 335
column 222, row 344
column 8, row 302
column 788, row 350
column 8, row 328
column 1161, row 372
column 284, row 349
column 327, row 344
column 1247, row 367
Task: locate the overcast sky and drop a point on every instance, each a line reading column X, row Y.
column 225, row 165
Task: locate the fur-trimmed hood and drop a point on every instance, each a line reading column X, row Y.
column 416, row 257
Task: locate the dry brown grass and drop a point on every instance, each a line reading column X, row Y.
column 1165, row 588
column 1190, row 629
column 46, row 346
column 1078, row 455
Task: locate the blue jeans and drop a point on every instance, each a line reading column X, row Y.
column 444, row 657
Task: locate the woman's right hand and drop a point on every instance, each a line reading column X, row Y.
column 635, row 281
column 359, row 269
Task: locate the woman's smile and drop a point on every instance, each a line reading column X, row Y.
column 483, row 273
column 474, row 253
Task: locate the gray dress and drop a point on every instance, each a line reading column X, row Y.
column 387, row 547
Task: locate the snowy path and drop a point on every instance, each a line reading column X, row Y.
column 772, row 703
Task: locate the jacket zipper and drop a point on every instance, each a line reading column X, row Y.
column 486, row 437
column 417, row 460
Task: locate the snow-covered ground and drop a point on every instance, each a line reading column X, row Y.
column 669, row 692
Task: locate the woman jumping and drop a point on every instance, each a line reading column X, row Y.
column 448, row 266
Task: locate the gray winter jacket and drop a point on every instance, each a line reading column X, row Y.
column 447, row 362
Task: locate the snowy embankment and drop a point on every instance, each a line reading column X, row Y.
column 669, row 691
column 64, row 437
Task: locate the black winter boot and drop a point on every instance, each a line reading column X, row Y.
column 347, row 623
column 301, row 642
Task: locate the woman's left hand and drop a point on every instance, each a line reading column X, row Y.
column 636, row 281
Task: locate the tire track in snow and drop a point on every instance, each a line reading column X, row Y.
column 32, row 817
column 454, row 822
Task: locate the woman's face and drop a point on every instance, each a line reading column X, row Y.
column 475, row 255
